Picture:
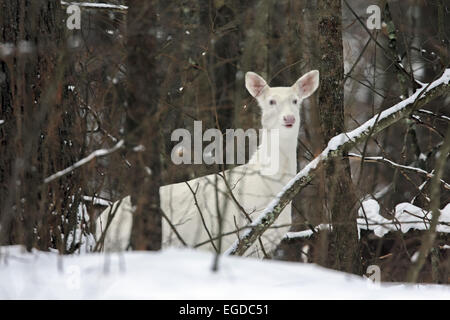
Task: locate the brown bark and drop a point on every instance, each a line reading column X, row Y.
column 340, row 196
column 142, row 123
column 39, row 135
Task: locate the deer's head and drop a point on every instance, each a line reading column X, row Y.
column 281, row 105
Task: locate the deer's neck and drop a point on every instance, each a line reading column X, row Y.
column 277, row 155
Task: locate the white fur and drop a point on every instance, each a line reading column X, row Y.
column 252, row 188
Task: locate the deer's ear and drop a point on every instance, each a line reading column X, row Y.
column 307, row 84
column 255, row 84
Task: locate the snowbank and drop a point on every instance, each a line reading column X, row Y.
column 184, row 274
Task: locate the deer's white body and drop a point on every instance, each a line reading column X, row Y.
column 252, row 185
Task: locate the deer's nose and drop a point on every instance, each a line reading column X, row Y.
column 289, row 120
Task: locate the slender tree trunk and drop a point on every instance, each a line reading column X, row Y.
column 340, row 195
column 142, row 123
column 254, row 57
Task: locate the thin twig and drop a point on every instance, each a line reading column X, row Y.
column 96, row 154
column 399, row 166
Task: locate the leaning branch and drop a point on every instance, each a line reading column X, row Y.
column 93, row 155
column 337, row 146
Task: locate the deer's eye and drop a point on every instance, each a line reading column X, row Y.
column 294, row 101
column 272, row 102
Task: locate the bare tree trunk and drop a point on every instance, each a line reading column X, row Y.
column 254, row 57
column 340, row 195
column 142, row 125
column 39, row 135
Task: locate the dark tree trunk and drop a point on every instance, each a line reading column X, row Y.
column 142, row 124
column 38, row 136
column 341, row 198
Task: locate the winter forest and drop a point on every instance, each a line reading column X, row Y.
column 225, row 149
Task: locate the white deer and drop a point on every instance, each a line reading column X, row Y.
column 237, row 196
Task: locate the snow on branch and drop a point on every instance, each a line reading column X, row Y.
column 406, row 216
column 438, row 116
column 92, row 5
column 307, row 233
column 336, row 148
column 93, row 155
column 399, row 166
column 98, row 201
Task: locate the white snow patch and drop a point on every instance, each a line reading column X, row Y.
column 407, row 217
column 184, row 274
column 81, row 235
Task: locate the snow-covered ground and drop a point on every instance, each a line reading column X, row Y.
column 184, row 274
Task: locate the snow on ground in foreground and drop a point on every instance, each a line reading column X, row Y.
column 184, row 274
